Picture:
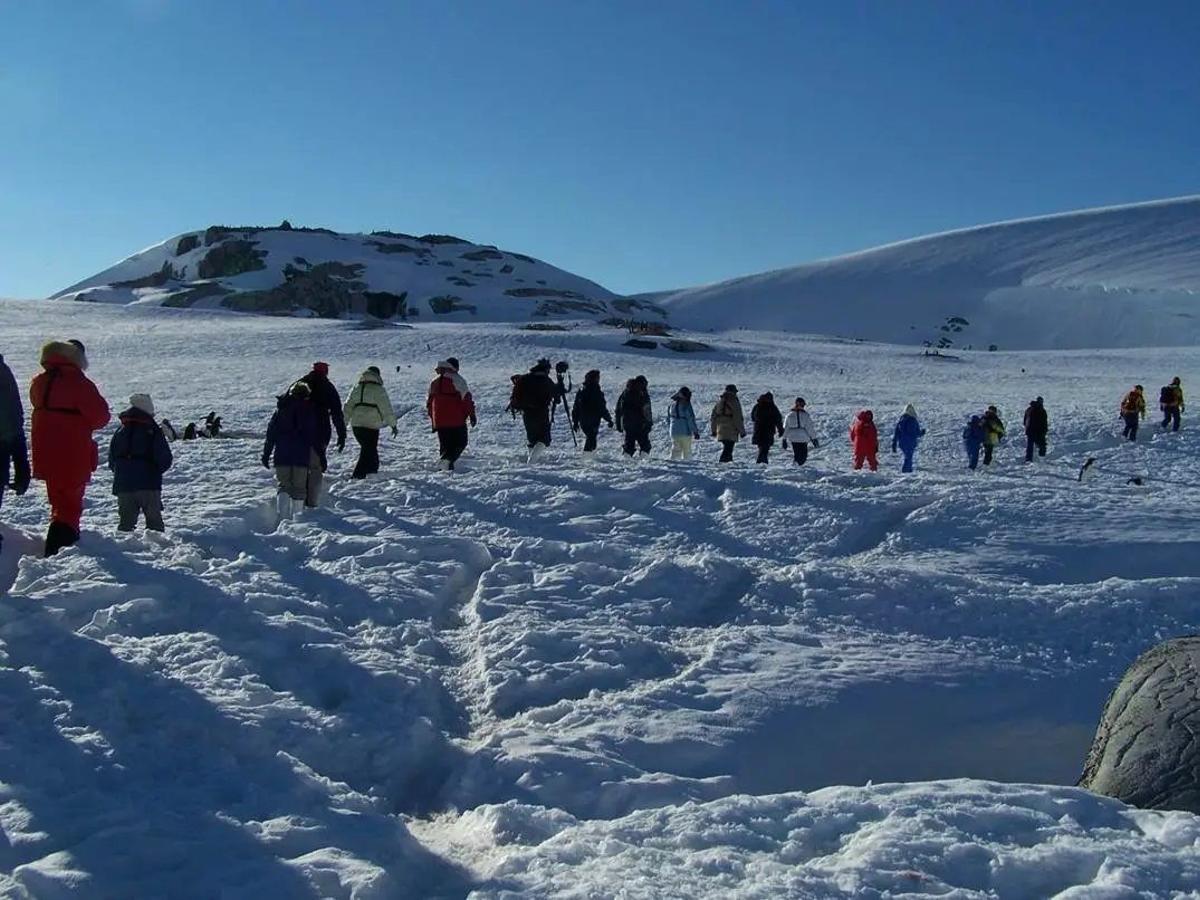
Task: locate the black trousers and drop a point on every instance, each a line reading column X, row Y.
column 638, row 439
column 590, row 433
column 1171, row 415
column 800, row 452
column 1131, row 426
column 764, row 452
column 987, row 454
column 537, row 427
column 368, row 452
column 727, row 451
column 452, row 442
column 1034, row 440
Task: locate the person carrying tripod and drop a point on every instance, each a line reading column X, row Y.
column 534, row 395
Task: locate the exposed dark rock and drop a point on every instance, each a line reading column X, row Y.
column 386, row 305
column 449, row 304
column 631, row 306
column 445, row 262
column 285, row 225
column 328, row 289
column 482, row 255
column 398, row 235
column 506, row 269
column 187, row 244
column 523, row 257
column 1145, row 752
column 188, row 297
column 568, row 307
column 541, row 280
column 544, row 326
column 458, row 281
column 679, row 345
column 642, row 344
column 383, row 247
column 441, row 239
column 156, row 279
column 231, row 258
column 544, row 292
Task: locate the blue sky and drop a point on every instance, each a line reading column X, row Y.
column 647, row 145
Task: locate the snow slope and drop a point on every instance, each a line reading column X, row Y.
column 320, row 272
column 626, row 678
column 1126, row 276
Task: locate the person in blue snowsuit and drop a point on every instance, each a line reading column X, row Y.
column 907, row 435
column 14, row 451
column 973, row 438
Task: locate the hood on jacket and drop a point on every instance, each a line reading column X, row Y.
column 766, row 398
column 57, row 353
column 866, row 417
column 370, row 376
column 136, row 416
column 592, row 378
column 445, row 366
column 730, row 389
column 910, row 410
column 684, row 394
column 142, row 402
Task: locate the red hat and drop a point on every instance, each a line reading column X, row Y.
column 321, row 368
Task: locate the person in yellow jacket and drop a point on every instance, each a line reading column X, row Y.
column 1170, row 400
column 727, row 421
column 1133, row 410
column 369, row 409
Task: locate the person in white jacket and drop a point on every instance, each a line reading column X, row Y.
column 798, row 429
column 369, row 409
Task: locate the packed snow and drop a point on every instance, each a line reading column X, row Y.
column 1126, row 276
column 618, row 678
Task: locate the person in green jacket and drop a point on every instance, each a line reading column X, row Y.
column 369, row 409
column 993, row 433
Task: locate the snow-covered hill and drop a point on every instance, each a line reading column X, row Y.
column 323, row 273
column 1126, row 276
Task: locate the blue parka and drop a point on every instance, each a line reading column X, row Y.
column 908, row 433
column 294, row 431
column 138, row 453
column 973, row 434
column 682, row 418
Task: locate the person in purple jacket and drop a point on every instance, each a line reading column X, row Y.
column 294, row 442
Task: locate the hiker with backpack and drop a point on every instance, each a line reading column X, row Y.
column 369, row 410
column 1037, row 427
column 450, row 407
column 293, row 444
column 14, row 453
column 907, row 435
column 799, row 431
column 534, row 394
column 681, row 418
column 67, row 409
column 727, row 423
column 138, row 455
column 864, row 440
column 973, row 439
column 1170, row 401
column 589, row 410
column 768, row 423
column 634, row 415
column 1133, row 409
column 328, row 405
column 993, row 433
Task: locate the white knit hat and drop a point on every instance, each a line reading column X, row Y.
column 142, row 402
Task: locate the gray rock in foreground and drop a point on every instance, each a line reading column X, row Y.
column 1146, row 751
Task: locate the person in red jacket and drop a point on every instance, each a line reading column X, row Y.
column 67, row 408
column 864, row 438
column 449, row 407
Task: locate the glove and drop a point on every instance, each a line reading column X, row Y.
column 696, row 436
column 395, row 431
column 20, row 483
column 266, row 460
column 893, row 448
column 341, row 444
column 474, row 421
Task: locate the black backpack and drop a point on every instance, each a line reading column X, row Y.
column 1166, row 396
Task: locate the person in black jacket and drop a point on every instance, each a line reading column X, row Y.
column 534, row 393
column 634, row 415
column 329, row 411
column 14, row 451
column 1037, row 427
column 590, row 409
column 138, row 455
column 768, row 423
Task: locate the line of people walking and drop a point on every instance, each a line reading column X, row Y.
column 310, row 416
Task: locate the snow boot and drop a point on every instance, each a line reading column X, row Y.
column 58, row 537
column 284, row 505
column 535, row 452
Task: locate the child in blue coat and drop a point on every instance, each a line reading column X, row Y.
column 973, row 438
column 138, row 456
column 907, row 435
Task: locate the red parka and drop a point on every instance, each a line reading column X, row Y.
column 67, row 408
column 864, row 437
column 446, row 406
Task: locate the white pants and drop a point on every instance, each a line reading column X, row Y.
column 681, row 447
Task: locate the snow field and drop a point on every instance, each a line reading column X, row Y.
column 553, row 681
